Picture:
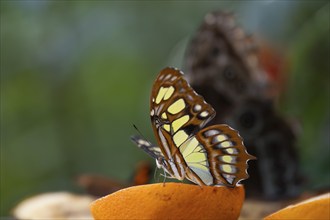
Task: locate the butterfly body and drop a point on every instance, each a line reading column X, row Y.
column 213, row 155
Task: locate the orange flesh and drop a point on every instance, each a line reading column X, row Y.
column 315, row 208
column 171, row 201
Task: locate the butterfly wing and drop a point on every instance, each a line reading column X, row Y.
column 177, row 111
column 178, row 115
column 153, row 151
column 216, row 156
column 226, row 154
column 149, row 148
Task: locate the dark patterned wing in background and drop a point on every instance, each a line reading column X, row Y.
column 222, row 65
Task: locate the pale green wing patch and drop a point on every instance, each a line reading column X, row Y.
column 195, row 156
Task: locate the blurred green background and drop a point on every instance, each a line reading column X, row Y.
column 76, row 75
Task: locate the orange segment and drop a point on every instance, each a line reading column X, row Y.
column 171, row 201
column 314, row 208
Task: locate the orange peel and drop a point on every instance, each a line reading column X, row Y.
column 171, row 201
column 314, row 208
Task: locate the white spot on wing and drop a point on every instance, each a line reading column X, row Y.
column 167, row 77
column 161, row 77
column 230, row 178
column 210, row 133
column 197, row 108
column 231, row 151
column 204, row 114
column 143, row 142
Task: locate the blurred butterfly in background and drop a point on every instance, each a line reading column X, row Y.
column 231, row 70
column 213, row 155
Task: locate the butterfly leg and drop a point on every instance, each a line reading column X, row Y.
column 164, row 178
column 155, row 174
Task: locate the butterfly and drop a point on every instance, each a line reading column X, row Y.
column 230, row 69
column 213, row 155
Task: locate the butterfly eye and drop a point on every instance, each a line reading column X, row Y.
column 160, row 121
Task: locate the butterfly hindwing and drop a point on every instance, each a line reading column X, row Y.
column 196, row 158
column 226, row 153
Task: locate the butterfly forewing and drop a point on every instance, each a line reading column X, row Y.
column 153, row 150
column 176, row 111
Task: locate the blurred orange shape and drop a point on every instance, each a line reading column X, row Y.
column 314, row 208
column 171, row 201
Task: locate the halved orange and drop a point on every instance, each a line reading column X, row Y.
column 314, row 208
column 171, row 201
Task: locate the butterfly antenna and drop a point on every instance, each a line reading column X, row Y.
column 136, row 128
column 141, row 134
